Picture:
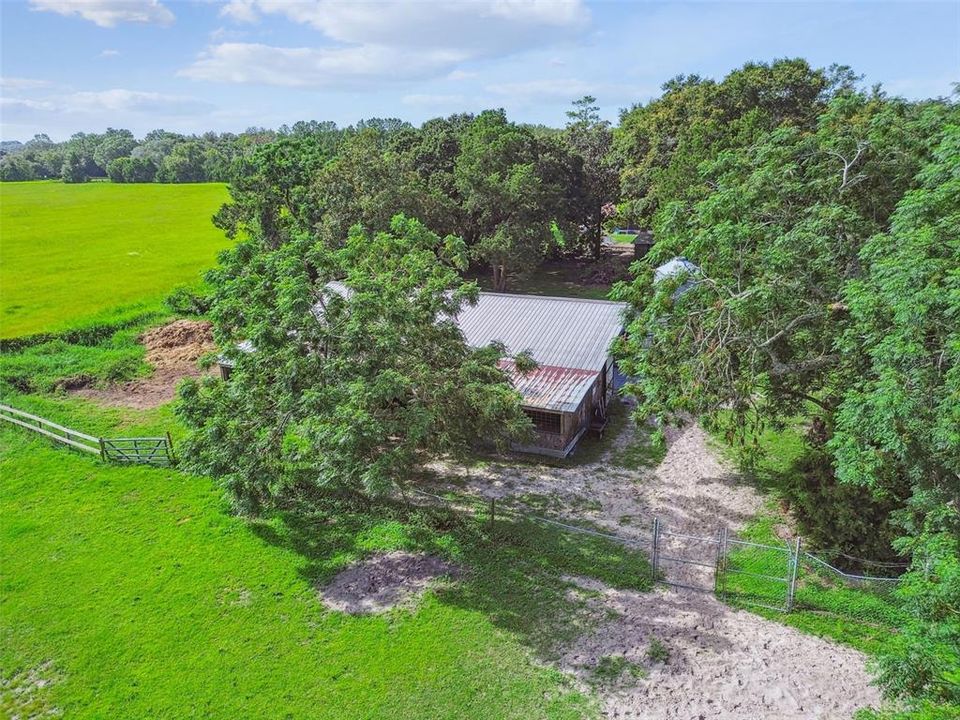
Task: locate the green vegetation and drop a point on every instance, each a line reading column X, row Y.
column 612, row 668
column 105, row 568
column 623, row 238
column 657, row 651
column 391, row 389
column 553, row 278
column 823, row 605
column 824, row 218
column 100, row 253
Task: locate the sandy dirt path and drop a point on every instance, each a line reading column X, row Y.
column 723, row 663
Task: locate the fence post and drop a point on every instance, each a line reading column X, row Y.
column 170, row 456
column 103, row 450
column 722, row 563
column 794, row 567
column 493, row 512
column 656, row 548
column 718, row 562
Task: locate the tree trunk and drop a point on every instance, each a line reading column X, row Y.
column 598, row 232
column 499, row 278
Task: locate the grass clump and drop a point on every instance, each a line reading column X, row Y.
column 657, row 651
column 613, row 669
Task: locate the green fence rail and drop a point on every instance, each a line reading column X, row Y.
column 140, row 450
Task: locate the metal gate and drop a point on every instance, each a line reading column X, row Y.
column 733, row 569
column 758, row 574
column 146, row 450
column 686, row 561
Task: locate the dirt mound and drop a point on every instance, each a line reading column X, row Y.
column 182, row 341
column 173, row 350
column 383, row 582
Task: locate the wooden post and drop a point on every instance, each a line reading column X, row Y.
column 103, row 450
column 722, row 563
column 794, row 567
column 170, row 456
column 493, row 512
column 718, row 562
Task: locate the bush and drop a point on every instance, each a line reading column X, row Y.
column 187, row 301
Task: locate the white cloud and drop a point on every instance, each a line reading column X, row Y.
column 17, row 105
column 108, row 13
column 461, row 75
column 107, row 102
column 240, row 11
column 109, row 53
column 461, row 23
column 378, row 42
column 315, row 67
column 133, row 101
column 14, row 83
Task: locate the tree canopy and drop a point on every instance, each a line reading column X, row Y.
column 354, row 387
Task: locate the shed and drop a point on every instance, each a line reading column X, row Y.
column 570, row 340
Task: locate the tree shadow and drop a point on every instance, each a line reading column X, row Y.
column 516, row 571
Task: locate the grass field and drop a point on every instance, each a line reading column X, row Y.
column 623, row 238
column 132, row 592
column 69, row 253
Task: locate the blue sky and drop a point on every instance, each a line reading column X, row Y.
column 72, row 65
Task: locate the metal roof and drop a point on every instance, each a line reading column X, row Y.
column 558, row 332
column 551, row 388
column 674, row 266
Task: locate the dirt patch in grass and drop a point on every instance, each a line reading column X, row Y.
column 383, row 582
column 173, row 350
column 23, row 695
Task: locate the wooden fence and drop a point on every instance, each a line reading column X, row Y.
column 141, row 450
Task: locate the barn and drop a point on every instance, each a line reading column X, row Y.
column 569, row 392
column 570, row 338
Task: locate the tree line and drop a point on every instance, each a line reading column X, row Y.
column 823, row 218
column 824, row 222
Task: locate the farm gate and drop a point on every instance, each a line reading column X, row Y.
column 730, row 567
column 142, row 450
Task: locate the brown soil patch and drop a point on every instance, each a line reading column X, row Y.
column 384, row 581
column 173, row 350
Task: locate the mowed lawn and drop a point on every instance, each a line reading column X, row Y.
column 71, row 252
column 130, row 592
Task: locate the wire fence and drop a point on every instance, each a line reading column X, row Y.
column 782, row 577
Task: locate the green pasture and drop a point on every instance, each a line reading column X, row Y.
column 71, row 253
column 132, row 592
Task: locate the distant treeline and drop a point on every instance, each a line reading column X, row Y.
column 161, row 156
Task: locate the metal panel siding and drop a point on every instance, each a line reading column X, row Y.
column 561, row 332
